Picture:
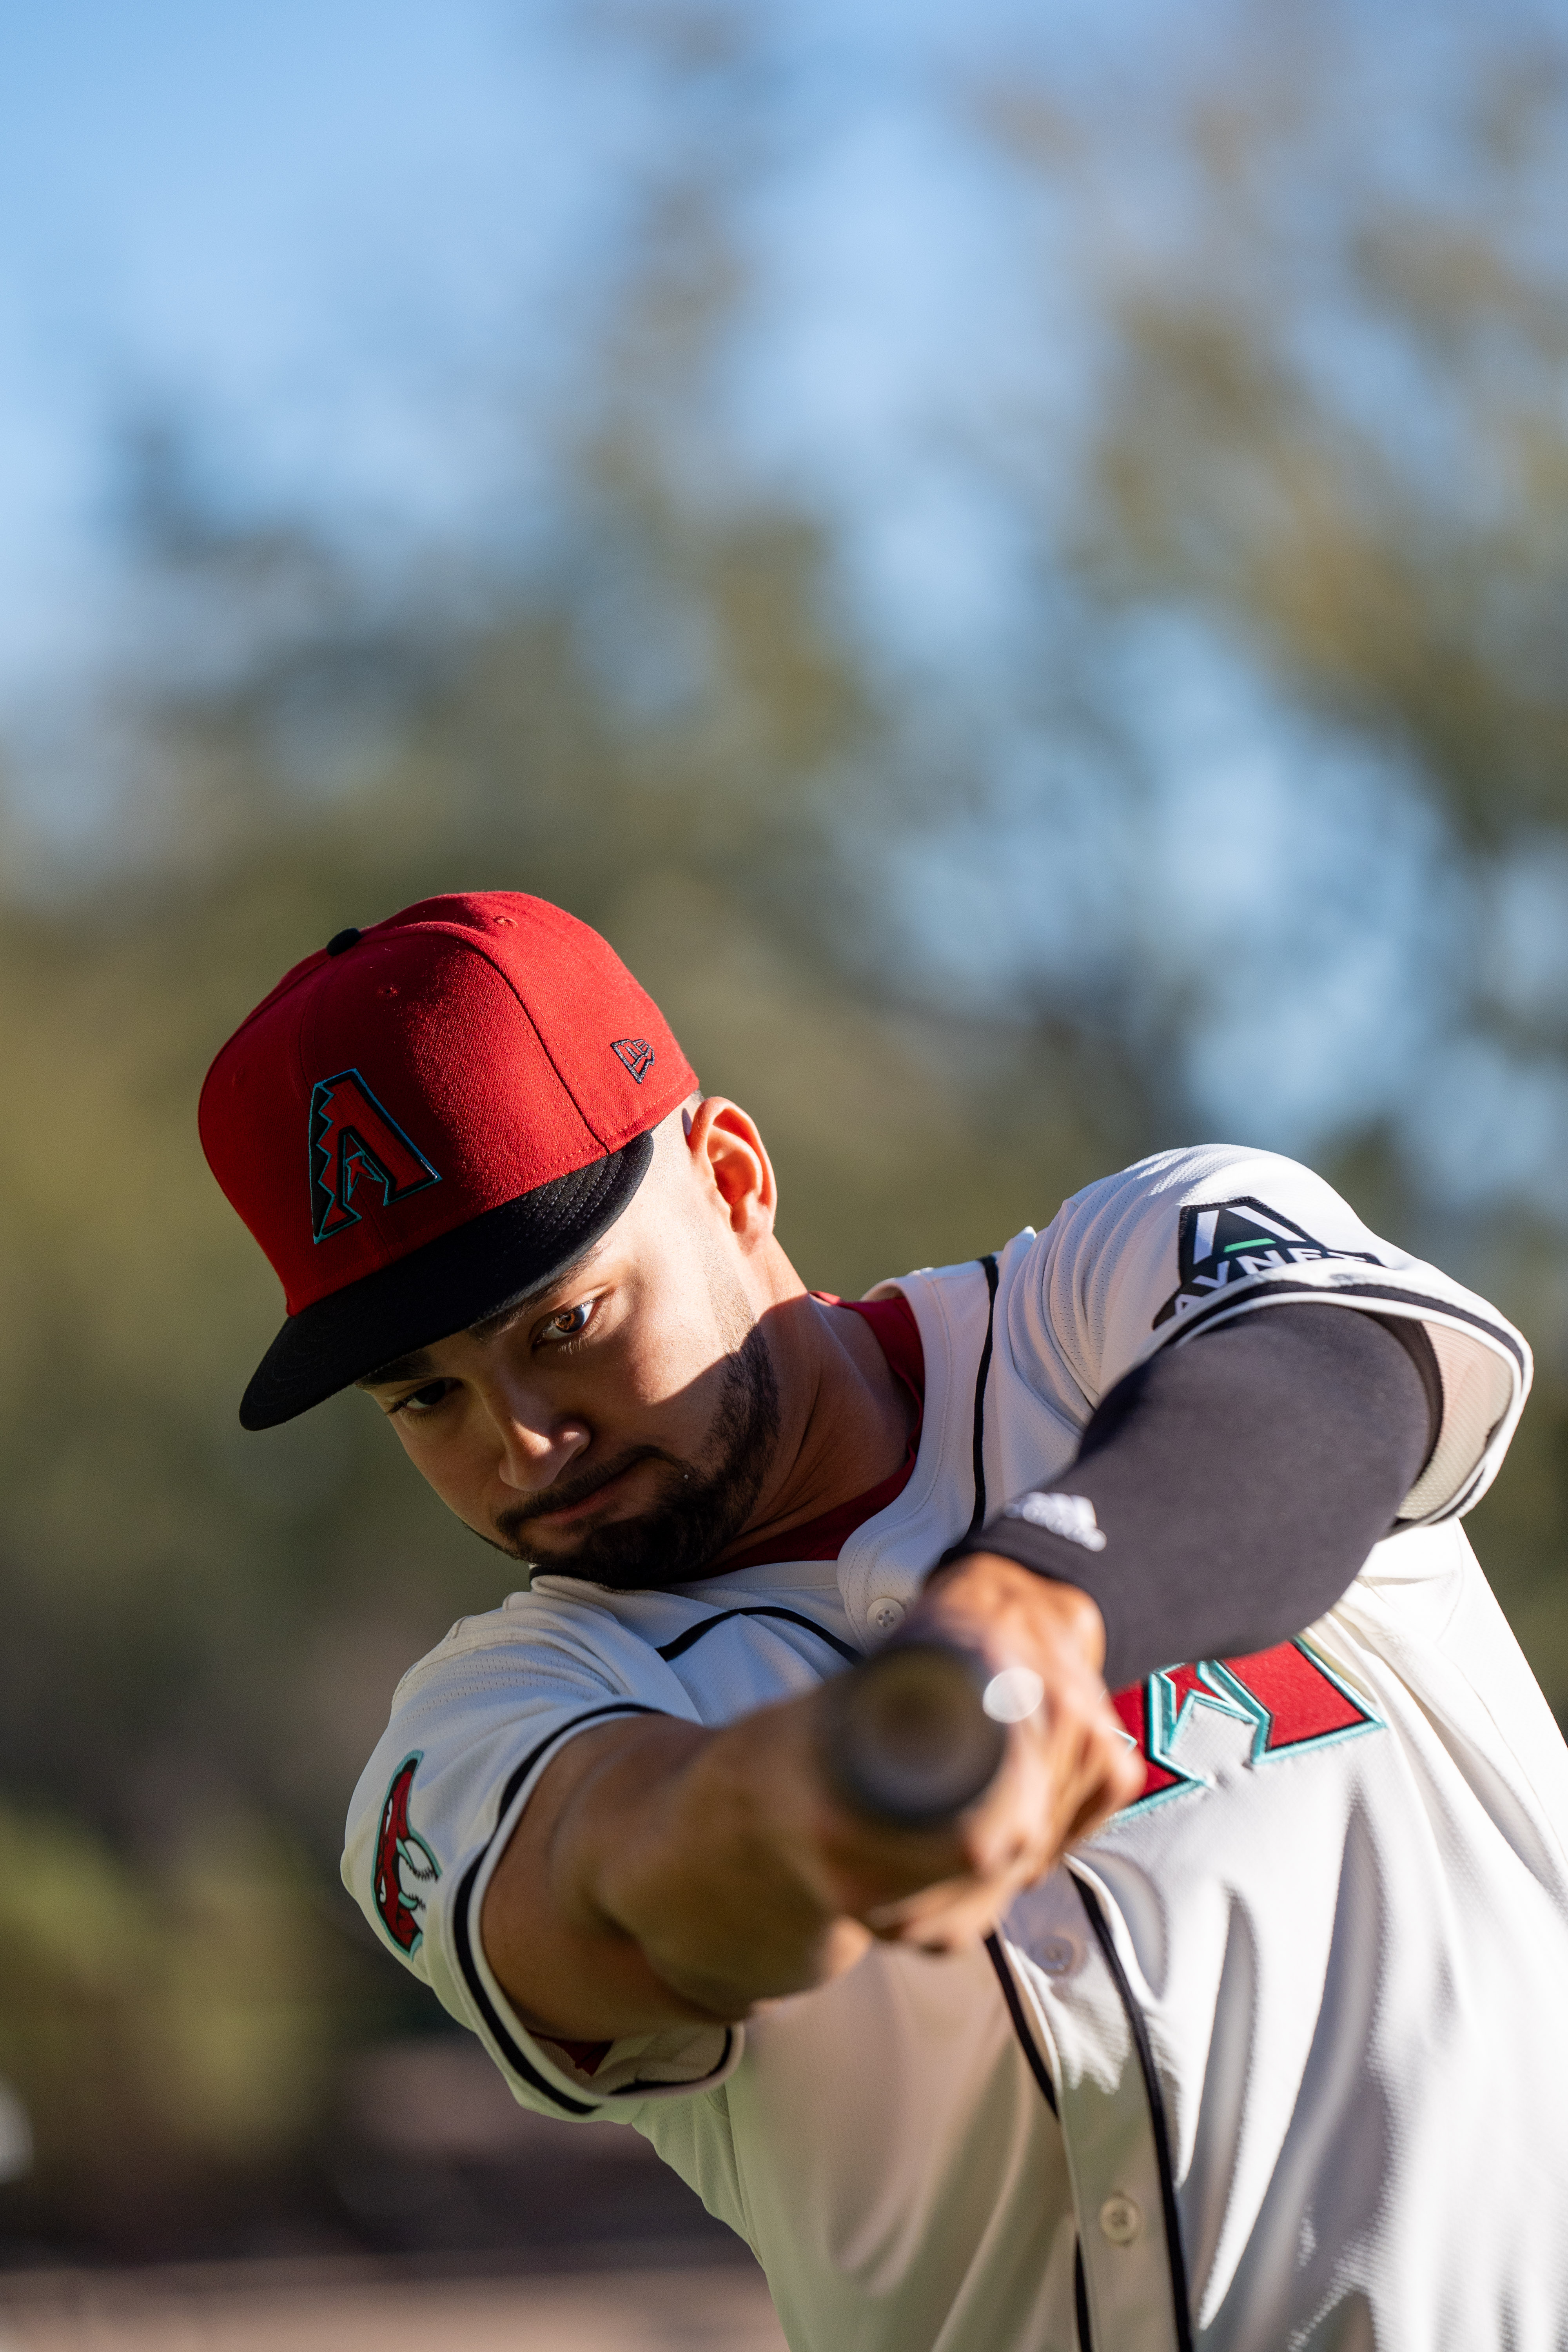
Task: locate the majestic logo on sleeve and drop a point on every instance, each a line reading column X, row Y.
column 1234, row 1239
column 406, row 1869
column 355, row 1142
column 1287, row 1697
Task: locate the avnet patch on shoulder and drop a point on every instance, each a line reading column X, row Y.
column 1228, row 1241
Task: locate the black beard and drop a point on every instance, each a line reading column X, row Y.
column 680, row 1538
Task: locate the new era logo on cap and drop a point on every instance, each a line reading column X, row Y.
column 353, row 1140
column 637, row 1054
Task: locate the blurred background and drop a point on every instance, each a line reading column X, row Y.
column 1015, row 560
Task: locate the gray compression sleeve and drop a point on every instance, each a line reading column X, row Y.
column 1240, row 1481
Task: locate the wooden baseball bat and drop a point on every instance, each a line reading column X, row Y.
column 907, row 1738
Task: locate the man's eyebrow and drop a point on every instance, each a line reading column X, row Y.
column 402, row 1367
column 489, row 1325
column 417, row 1364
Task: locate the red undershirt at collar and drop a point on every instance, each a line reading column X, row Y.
column 824, row 1537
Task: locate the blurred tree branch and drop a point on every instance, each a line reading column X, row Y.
column 1326, row 418
column 1329, row 411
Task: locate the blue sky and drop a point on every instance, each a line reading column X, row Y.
column 355, row 246
column 313, row 229
column 348, row 241
column 352, row 244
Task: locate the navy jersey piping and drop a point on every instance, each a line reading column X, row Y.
column 1037, row 2066
column 693, row 1633
column 995, row 1953
column 978, row 1520
column 1140, row 2031
column 1081, row 2299
column 515, row 1779
column 1289, row 1289
column 518, row 2060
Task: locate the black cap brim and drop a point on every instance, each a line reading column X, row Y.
column 451, row 1282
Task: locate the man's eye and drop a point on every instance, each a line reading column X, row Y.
column 424, row 1399
column 570, row 1321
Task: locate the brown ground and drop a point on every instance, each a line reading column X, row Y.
column 350, row 2307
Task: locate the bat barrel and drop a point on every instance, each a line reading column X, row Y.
column 906, row 1737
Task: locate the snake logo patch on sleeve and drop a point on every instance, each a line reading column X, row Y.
column 1231, row 1239
column 406, row 1869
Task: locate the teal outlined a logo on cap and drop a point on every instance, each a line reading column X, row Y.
column 355, row 1141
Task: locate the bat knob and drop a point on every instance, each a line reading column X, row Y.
column 906, row 1738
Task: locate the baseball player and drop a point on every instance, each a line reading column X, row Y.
column 1228, row 2009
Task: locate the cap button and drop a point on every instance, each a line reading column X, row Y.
column 341, row 941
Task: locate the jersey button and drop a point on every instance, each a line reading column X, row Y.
column 883, row 1615
column 1120, row 2219
column 1059, row 1955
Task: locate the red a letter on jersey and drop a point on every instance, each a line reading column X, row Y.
column 1287, row 1695
column 352, row 1138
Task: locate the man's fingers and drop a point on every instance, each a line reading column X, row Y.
column 1063, row 1777
column 1065, row 1767
column 913, row 1738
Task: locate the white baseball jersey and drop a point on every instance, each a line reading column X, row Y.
column 1278, row 2057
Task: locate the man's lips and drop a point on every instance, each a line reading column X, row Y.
column 564, row 1513
column 516, row 1523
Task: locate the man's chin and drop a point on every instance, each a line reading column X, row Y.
column 627, row 1554
column 544, row 1549
column 561, row 1554
column 551, row 1541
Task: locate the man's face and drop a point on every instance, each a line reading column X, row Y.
column 619, row 1425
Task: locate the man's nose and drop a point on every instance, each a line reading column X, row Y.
column 536, row 1445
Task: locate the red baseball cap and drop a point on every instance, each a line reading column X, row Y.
column 426, row 1120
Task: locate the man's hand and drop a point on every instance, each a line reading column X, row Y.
column 1068, row 1767
column 661, row 1872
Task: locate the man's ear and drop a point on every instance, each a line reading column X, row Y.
column 734, row 1163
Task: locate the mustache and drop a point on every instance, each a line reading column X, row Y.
column 566, row 1492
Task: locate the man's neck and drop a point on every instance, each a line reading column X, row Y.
column 845, row 1418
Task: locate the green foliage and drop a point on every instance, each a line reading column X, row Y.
column 1329, row 417
column 661, row 717
column 166, row 2026
column 662, row 737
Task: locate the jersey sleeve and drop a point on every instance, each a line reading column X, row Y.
column 1189, row 1240
column 474, row 1726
